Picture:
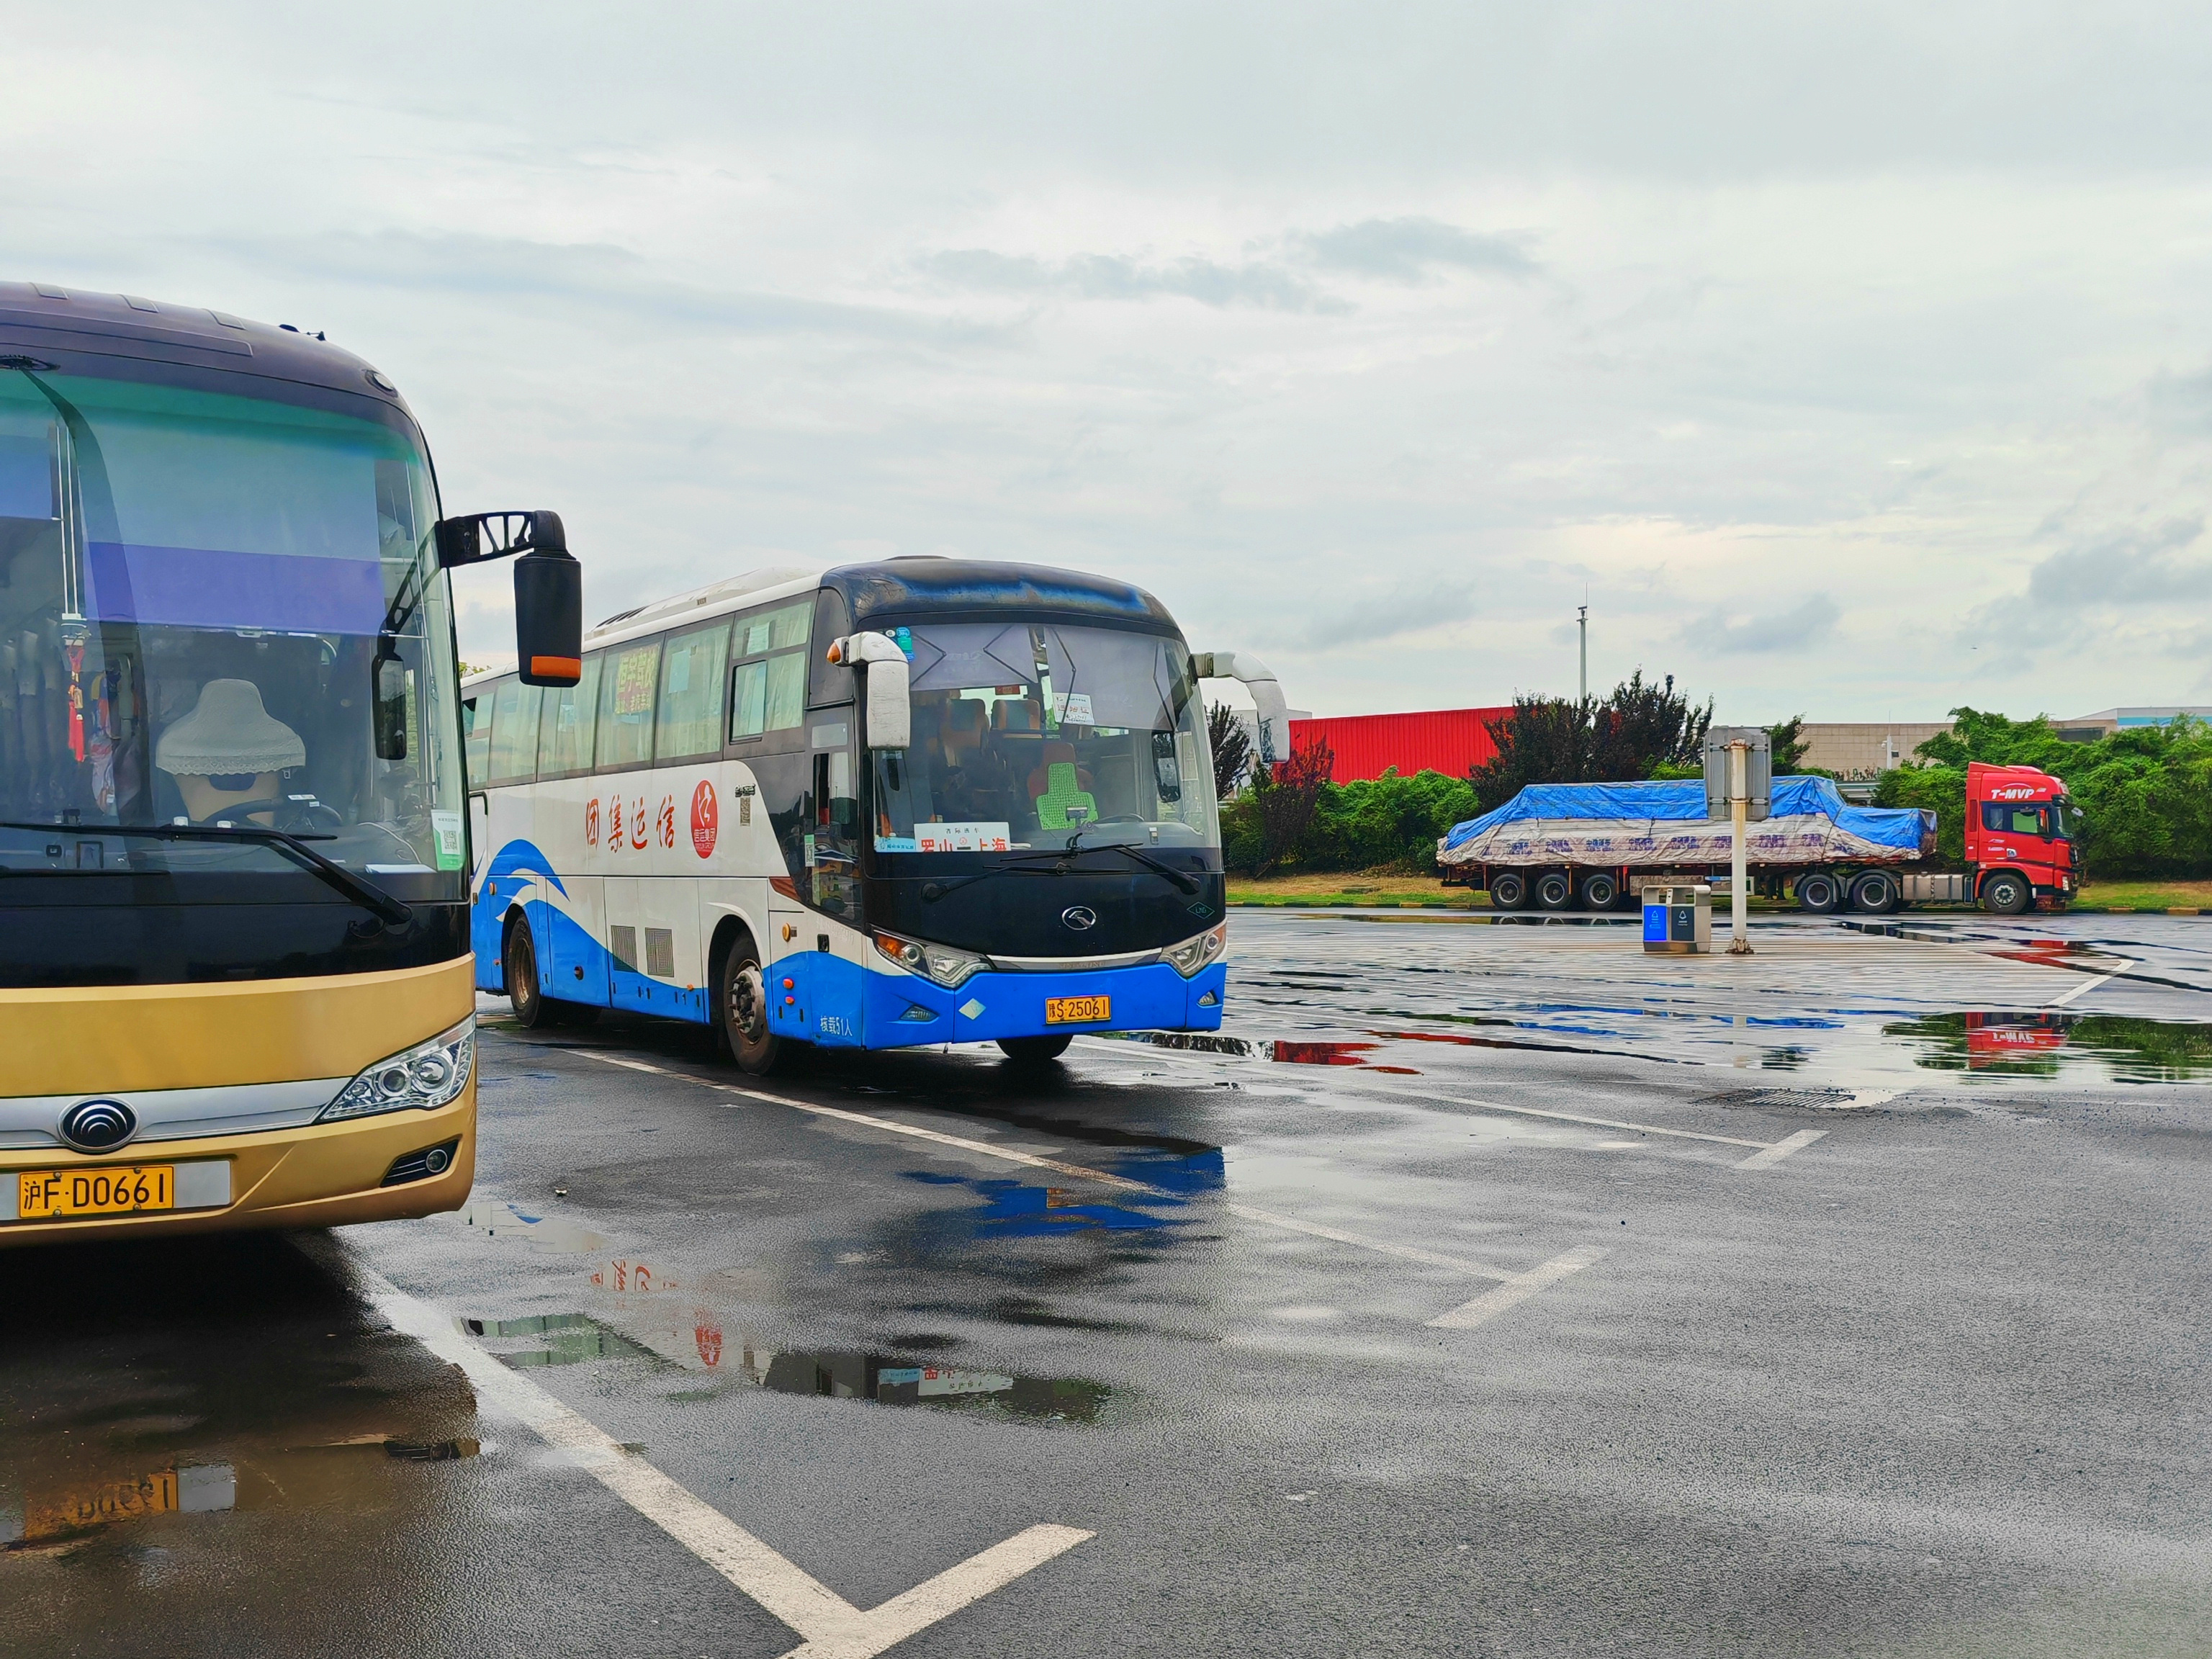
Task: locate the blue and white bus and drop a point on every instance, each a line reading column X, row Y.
column 921, row 801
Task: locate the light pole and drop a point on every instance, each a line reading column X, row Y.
column 1582, row 623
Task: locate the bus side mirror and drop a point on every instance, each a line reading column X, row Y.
column 891, row 706
column 388, row 706
column 549, row 618
column 888, row 716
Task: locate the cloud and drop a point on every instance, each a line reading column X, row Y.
column 612, row 279
column 1405, row 610
column 1114, row 276
column 2128, row 567
column 1782, row 631
column 1409, row 250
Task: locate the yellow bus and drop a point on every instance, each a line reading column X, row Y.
column 235, row 984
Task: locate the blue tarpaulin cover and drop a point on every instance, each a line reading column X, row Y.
column 1905, row 828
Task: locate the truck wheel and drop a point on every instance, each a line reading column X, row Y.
column 1508, row 889
column 1555, row 890
column 1599, row 891
column 1874, row 893
column 2006, row 894
column 741, row 1007
column 1819, row 893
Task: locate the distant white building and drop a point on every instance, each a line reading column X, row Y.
column 2087, row 728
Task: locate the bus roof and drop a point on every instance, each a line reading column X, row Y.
column 37, row 318
column 917, row 587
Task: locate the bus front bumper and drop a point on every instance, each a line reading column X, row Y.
column 906, row 1010
column 329, row 1175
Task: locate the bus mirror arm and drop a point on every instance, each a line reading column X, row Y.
column 890, row 702
column 549, row 586
column 1274, row 714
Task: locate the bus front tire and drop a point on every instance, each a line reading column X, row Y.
column 741, row 1006
column 1035, row 1050
column 519, row 961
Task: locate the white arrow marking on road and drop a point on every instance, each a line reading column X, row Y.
column 1781, row 1149
column 834, row 1627
column 1519, row 1288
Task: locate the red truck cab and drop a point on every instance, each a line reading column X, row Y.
column 2020, row 832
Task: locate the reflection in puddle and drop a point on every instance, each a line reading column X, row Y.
column 44, row 1519
column 1011, row 1210
column 2046, row 1042
column 552, row 1235
column 569, row 1339
column 561, row 1340
column 891, row 1381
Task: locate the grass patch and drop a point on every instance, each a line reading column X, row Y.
column 2153, row 895
column 1374, row 888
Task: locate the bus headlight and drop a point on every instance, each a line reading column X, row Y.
column 941, row 962
column 429, row 1075
column 1194, row 954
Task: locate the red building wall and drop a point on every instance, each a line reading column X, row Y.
column 1448, row 740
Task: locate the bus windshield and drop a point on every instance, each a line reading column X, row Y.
column 203, row 597
column 1031, row 735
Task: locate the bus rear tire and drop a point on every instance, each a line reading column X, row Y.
column 1036, row 1050
column 518, row 962
column 741, row 1010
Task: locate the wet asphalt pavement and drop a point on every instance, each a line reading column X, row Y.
column 1848, row 1300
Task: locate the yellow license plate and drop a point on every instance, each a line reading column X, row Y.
column 1077, row 1011
column 47, row 1195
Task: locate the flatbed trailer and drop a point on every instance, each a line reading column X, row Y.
column 1595, row 845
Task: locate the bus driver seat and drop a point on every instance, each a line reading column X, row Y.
column 1059, row 783
column 228, row 750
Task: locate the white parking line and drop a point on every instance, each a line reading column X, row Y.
column 834, row 1627
column 1519, row 1288
column 2089, row 985
column 1781, row 1149
column 1411, row 1253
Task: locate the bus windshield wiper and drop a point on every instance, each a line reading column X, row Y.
column 367, row 895
column 1180, row 878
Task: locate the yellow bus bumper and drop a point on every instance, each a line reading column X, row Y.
column 113, row 1039
column 326, row 1176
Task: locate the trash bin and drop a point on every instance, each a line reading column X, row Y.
column 1678, row 920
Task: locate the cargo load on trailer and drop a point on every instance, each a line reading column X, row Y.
column 1556, row 845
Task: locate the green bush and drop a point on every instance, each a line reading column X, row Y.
column 1390, row 823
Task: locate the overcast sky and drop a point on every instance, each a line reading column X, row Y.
column 1854, row 359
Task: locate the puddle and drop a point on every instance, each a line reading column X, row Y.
column 549, row 1235
column 45, row 1519
column 2050, row 1043
column 559, row 1339
column 699, row 1345
column 1012, row 1209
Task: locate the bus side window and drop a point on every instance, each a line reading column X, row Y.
column 768, row 686
column 513, row 734
column 690, row 722
column 828, row 684
column 476, row 738
column 626, row 686
column 564, row 740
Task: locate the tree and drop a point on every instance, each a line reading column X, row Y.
column 1286, row 801
column 1787, row 741
column 1232, row 749
column 1638, row 730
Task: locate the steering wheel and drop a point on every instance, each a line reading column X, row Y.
column 293, row 817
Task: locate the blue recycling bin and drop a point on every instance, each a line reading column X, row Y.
column 1678, row 920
